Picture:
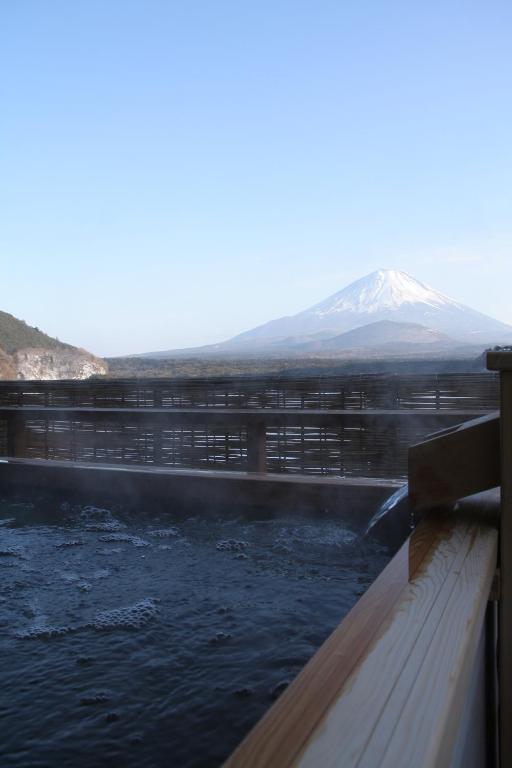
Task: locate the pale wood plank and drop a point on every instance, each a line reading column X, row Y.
column 505, row 607
column 280, row 736
column 426, row 729
column 351, row 721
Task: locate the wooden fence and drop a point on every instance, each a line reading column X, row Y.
column 438, row 392
column 264, row 424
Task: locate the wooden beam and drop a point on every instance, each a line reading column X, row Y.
column 501, row 360
column 237, row 417
column 458, row 462
column 256, row 445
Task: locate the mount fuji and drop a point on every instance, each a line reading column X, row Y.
column 390, row 310
column 383, row 296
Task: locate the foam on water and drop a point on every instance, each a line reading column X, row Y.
column 131, row 617
column 232, row 545
column 127, row 617
column 71, row 543
column 164, row 533
column 43, row 632
column 125, row 537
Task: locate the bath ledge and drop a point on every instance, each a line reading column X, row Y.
column 390, row 685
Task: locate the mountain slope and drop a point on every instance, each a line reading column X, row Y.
column 382, row 295
column 28, row 353
column 383, row 334
column 16, row 334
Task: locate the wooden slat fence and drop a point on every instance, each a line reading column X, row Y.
column 435, row 391
column 186, row 423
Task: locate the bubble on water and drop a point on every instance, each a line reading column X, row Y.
column 107, row 526
column 232, row 545
column 125, row 537
column 42, row 633
column 97, row 697
column 131, row 617
column 71, row 543
column 99, row 519
column 241, row 556
column 164, row 533
column 333, row 536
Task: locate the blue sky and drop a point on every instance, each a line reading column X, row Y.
column 173, row 173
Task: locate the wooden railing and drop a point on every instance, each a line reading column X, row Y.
column 472, row 391
column 364, row 443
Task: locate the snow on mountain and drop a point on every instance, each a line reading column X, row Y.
column 386, row 289
column 386, row 294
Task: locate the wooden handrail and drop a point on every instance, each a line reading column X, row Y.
column 272, row 417
column 501, row 360
column 388, row 686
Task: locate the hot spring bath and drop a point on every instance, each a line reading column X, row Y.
column 155, row 630
column 139, row 639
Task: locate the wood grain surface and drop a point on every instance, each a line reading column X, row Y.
column 378, row 692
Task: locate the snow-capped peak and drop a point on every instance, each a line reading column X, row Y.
column 385, row 289
column 384, row 295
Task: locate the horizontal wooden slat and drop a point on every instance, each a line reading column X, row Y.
column 221, row 417
column 435, row 392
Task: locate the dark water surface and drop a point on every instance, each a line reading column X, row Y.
column 135, row 640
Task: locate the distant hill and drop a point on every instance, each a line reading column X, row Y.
column 28, row 353
column 203, row 367
column 16, row 334
column 385, row 335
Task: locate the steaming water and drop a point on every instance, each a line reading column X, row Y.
column 131, row 640
column 387, row 507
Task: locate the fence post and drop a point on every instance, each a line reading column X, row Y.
column 15, row 427
column 502, row 362
column 256, row 445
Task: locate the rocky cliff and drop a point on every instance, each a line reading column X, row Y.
column 73, row 363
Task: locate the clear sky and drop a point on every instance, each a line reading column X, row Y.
column 173, row 172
